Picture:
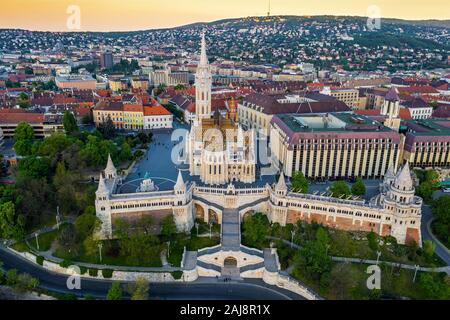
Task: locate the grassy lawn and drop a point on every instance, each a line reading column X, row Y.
column 21, row 246
column 45, row 240
column 110, row 256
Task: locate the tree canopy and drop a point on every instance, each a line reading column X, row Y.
column 340, row 188
column 299, row 182
column 359, row 188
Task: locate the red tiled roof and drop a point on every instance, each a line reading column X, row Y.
column 16, row 117
column 156, row 111
column 418, row 89
column 404, row 114
column 132, row 108
column 368, row 112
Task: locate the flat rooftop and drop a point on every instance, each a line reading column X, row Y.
column 330, row 122
column 429, row 127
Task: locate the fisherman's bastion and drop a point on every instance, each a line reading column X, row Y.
column 219, row 183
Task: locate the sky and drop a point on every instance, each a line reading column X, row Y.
column 127, row 15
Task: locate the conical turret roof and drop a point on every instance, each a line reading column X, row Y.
column 102, row 185
column 180, row 185
column 403, row 180
column 281, row 185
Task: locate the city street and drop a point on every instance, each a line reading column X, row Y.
column 202, row 289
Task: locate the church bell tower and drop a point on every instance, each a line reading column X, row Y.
column 203, row 85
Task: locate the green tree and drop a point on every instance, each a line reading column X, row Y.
column 107, row 129
column 25, row 282
column 125, row 152
column 343, row 281
column 11, row 225
column 139, row 289
column 23, row 139
column 428, row 248
column 372, row 238
column 69, row 122
column 340, row 188
column 23, row 100
column 66, row 189
column 34, row 167
column 255, row 230
column 115, row 292
column 86, row 223
column 313, row 256
column 169, row 228
column 299, row 182
column 441, row 211
column 434, row 286
column 359, row 188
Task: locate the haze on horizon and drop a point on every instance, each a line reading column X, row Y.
column 119, row 15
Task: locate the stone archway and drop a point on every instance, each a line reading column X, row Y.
column 230, row 268
column 230, row 262
column 247, row 215
column 199, row 212
column 213, row 217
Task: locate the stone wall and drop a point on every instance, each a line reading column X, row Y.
column 187, row 276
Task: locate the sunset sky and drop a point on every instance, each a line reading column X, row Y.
column 113, row 15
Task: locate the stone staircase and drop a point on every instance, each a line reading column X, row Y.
column 231, row 230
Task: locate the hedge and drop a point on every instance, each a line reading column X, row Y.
column 107, row 273
column 65, row 263
column 83, row 270
column 177, row 274
column 40, row 260
column 93, row 272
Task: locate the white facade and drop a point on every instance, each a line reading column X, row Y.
column 421, row 113
column 158, row 122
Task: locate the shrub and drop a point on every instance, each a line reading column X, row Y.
column 177, row 274
column 40, row 260
column 65, row 263
column 93, row 272
column 83, row 270
column 107, row 273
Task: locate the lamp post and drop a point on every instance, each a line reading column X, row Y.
column 328, row 247
column 37, row 241
column 415, row 272
column 378, row 256
column 58, row 217
column 196, row 226
column 210, row 230
column 100, row 246
column 168, row 249
column 292, row 238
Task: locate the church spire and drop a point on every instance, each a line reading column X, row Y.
column 203, row 56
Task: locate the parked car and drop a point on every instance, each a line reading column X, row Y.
column 446, row 190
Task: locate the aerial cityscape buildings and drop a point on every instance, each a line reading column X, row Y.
column 273, row 157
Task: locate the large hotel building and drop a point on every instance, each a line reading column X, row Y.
column 333, row 145
column 427, row 143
